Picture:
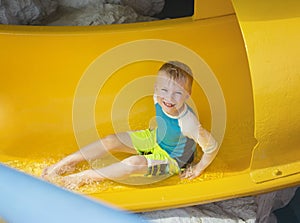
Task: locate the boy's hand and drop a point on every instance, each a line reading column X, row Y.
column 191, row 172
column 194, row 171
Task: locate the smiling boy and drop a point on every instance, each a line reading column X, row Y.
column 164, row 150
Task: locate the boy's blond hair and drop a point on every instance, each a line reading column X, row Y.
column 178, row 71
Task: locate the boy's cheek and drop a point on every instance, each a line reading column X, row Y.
column 159, row 100
column 160, row 97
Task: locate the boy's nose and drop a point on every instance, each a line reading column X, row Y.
column 169, row 96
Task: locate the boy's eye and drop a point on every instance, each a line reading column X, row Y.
column 164, row 90
column 178, row 93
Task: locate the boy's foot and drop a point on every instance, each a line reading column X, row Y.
column 66, row 165
column 74, row 181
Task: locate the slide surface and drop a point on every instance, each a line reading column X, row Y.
column 65, row 87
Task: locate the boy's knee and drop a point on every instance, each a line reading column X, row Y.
column 135, row 162
column 110, row 142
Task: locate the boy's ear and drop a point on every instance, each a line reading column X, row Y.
column 187, row 96
column 189, row 93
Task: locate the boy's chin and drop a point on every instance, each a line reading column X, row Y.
column 171, row 111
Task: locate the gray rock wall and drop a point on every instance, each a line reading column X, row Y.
column 77, row 12
column 24, row 12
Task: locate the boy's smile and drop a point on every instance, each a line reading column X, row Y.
column 169, row 105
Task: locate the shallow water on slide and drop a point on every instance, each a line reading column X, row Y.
column 36, row 166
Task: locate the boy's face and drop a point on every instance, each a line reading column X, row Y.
column 171, row 94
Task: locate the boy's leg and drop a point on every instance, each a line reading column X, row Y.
column 112, row 143
column 120, row 142
column 133, row 165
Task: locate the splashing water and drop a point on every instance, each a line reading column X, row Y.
column 35, row 168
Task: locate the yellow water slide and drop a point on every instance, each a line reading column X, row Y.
column 64, row 87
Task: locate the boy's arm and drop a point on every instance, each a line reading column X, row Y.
column 205, row 161
column 210, row 149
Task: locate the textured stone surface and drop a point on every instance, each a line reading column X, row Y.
column 254, row 209
column 145, row 7
column 77, row 12
column 231, row 211
column 98, row 14
column 79, row 3
column 25, row 11
column 269, row 202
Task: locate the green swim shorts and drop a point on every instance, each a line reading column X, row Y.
column 159, row 161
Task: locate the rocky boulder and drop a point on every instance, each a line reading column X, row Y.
column 25, row 12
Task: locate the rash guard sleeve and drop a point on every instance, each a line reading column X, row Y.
column 192, row 128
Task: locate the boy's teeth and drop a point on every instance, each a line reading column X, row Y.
column 168, row 104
